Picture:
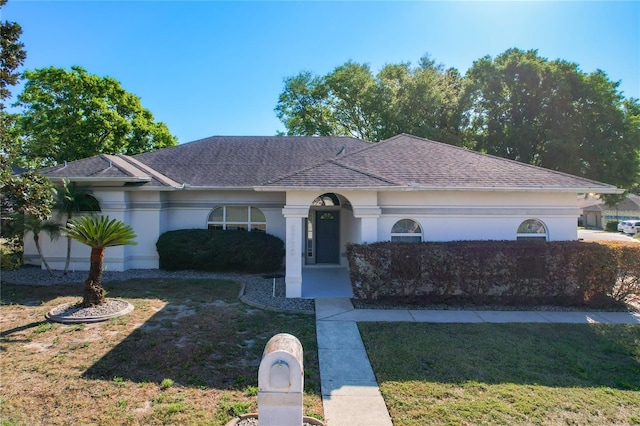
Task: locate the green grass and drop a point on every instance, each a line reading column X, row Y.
column 507, row 373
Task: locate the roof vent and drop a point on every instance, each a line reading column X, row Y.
column 342, row 149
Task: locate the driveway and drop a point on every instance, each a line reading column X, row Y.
column 598, row 235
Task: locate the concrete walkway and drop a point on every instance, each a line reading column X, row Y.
column 350, row 393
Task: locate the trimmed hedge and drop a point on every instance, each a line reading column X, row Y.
column 507, row 272
column 220, row 251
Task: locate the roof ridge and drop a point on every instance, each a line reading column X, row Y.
column 153, row 172
column 124, row 166
column 471, row 151
column 325, row 162
column 319, row 163
column 362, row 172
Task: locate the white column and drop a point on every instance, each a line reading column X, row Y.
column 293, row 272
column 368, row 223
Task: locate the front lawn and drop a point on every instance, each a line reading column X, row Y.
column 188, row 354
column 434, row 374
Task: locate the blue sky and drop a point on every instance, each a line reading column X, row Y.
column 216, row 68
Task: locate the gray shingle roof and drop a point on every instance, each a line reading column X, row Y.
column 232, row 161
column 630, row 203
column 403, row 161
column 114, row 168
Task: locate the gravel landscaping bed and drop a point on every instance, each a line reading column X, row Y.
column 257, row 290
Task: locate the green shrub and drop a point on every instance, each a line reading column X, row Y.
column 10, row 254
column 508, row 272
column 612, row 226
column 217, row 250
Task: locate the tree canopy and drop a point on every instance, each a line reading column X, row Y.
column 517, row 105
column 352, row 101
column 551, row 114
column 28, row 193
column 71, row 114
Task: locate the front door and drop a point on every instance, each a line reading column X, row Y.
column 328, row 236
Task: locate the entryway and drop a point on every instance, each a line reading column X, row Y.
column 326, row 281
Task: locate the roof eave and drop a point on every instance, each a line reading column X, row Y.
column 409, row 188
column 94, row 179
column 217, row 188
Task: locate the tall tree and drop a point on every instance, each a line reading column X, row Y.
column 352, row 101
column 28, row 193
column 549, row 113
column 71, row 114
column 632, row 120
column 70, row 200
column 98, row 233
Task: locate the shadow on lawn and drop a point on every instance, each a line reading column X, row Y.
column 203, row 337
column 556, row 355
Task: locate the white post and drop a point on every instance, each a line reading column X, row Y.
column 281, row 382
column 293, row 277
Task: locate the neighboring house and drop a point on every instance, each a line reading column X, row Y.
column 596, row 214
column 320, row 193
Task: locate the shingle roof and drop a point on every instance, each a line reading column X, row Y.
column 233, row 161
column 404, row 162
column 412, row 162
column 114, row 168
column 630, row 203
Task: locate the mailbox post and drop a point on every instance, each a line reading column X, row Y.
column 281, row 382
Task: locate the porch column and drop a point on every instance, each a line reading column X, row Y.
column 368, row 223
column 293, row 246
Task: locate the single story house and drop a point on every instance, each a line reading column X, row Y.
column 319, row 193
column 596, row 214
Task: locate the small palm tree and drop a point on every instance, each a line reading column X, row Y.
column 98, row 232
column 28, row 223
column 73, row 199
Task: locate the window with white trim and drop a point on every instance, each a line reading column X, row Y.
column 232, row 218
column 406, row 231
column 532, row 229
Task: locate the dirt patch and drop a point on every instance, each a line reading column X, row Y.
column 187, row 354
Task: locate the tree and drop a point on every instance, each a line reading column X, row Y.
column 69, row 115
column 632, row 120
column 550, row 114
column 351, row 101
column 27, row 223
column 28, row 193
column 71, row 199
column 98, row 233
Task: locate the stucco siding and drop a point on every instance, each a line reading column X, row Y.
column 443, row 216
column 452, row 216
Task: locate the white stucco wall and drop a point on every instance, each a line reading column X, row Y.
column 152, row 213
column 452, row 216
column 444, row 216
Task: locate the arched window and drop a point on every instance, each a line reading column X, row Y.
column 406, row 231
column 233, row 218
column 328, row 199
column 532, row 229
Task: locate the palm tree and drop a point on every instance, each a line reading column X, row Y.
column 28, row 223
column 74, row 199
column 98, row 232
